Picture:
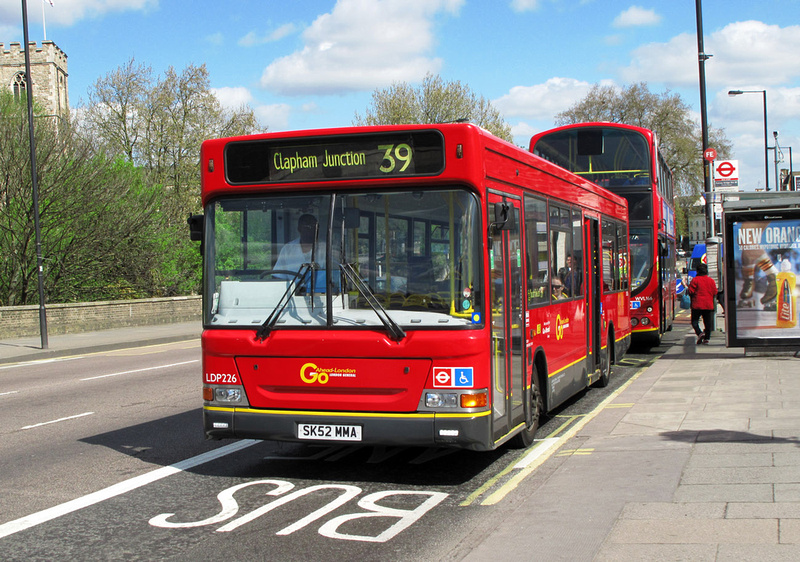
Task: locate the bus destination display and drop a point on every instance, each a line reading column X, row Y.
column 414, row 153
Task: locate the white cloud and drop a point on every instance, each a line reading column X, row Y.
column 232, row 97
column 522, row 133
column 67, row 12
column 524, row 5
column 253, row 39
column 361, row 45
column 636, row 16
column 275, row 117
column 542, row 101
column 744, row 52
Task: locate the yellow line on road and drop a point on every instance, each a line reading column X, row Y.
column 523, row 473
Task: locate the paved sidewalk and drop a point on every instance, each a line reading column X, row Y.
column 29, row 349
column 697, row 459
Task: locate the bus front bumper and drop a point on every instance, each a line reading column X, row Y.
column 426, row 429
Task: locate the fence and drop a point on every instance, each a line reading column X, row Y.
column 23, row 321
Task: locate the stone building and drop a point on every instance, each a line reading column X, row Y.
column 48, row 74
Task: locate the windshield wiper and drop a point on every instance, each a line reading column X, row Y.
column 295, row 284
column 394, row 329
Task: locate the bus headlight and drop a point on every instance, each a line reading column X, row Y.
column 634, row 322
column 645, row 321
column 441, row 399
column 228, row 394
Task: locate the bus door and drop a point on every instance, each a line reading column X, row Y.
column 507, row 322
column 594, row 292
column 666, row 282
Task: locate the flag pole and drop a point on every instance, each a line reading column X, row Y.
column 44, row 25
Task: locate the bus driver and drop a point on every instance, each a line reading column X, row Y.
column 300, row 250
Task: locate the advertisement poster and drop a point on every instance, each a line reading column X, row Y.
column 766, row 256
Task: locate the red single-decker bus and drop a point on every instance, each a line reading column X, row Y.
column 427, row 285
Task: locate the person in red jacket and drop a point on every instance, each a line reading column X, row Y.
column 703, row 292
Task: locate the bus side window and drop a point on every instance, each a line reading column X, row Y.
column 536, row 259
column 577, row 252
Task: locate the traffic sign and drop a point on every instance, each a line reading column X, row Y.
column 725, row 169
column 709, row 154
column 726, row 175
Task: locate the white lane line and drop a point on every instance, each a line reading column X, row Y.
column 10, row 392
column 118, row 489
column 540, row 449
column 58, row 420
column 39, row 362
column 141, row 370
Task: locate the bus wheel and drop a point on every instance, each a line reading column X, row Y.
column 605, row 367
column 524, row 438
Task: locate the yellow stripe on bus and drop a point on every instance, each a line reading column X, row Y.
column 424, row 415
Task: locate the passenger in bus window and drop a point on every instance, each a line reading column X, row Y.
column 558, row 289
column 570, row 276
column 303, row 249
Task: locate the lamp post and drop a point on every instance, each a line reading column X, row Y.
column 733, row 93
column 702, row 57
column 34, row 180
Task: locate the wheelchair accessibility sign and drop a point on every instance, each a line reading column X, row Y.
column 453, row 377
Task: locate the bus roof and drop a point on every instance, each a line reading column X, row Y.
column 459, row 141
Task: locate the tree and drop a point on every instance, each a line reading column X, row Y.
column 159, row 126
column 670, row 117
column 97, row 215
column 434, row 101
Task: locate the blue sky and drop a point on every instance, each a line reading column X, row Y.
column 315, row 63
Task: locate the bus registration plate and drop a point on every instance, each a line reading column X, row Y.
column 329, row 432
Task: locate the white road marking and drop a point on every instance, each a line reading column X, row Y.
column 39, row 362
column 118, row 489
column 141, row 370
column 540, row 449
column 10, row 392
column 58, row 420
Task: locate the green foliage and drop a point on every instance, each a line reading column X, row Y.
column 114, row 189
column 97, row 215
column 434, row 101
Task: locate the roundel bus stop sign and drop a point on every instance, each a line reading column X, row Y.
column 709, row 154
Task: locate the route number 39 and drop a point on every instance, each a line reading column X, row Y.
column 395, row 155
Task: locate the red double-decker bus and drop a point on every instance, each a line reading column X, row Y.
column 626, row 160
column 400, row 285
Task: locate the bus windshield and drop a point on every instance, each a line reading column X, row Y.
column 641, row 257
column 344, row 260
column 608, row 157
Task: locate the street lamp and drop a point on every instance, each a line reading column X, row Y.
column 733, row 93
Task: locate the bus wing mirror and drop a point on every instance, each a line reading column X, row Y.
column 195, row 228
column 501, row 212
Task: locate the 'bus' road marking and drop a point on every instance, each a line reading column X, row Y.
column 141, row 370
column 58, row 420
column 118, row 489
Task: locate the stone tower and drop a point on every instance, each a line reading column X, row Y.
column 48, row 74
